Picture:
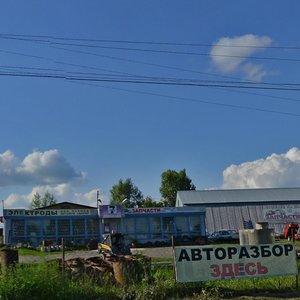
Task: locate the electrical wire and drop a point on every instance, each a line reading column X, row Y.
column 51, row 42
column 41, row 38
column 162, row 81
column 185, row 99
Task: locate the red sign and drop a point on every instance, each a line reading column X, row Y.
column 145, row 210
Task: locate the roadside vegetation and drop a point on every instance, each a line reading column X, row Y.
column 47, row 281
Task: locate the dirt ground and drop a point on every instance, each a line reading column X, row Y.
column 68, row 255
column 151, row 252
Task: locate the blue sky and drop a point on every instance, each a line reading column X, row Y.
column 74, row 137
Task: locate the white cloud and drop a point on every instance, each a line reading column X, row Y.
column 255, row 72
column 277, row 170
column 230, row 55
column 16, row 201
column 48, row 167
column 61, row 192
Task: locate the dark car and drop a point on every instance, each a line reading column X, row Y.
column 223, row 235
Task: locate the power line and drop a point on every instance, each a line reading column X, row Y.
column 144, row 50
column 140, row 62
column 8, row 67
column 185, row 99
column 41, row 38
column 162, row 81
column 80, row 79
column 183, row 52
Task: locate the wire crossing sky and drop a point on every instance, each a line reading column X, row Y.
column 96, row 92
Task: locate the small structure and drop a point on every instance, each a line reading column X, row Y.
column 260, row 235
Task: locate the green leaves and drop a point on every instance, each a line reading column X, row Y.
column 38, row 201
column 126, row 193
column 171, row 183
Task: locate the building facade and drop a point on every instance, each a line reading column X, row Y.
column 79, row 224
column 240, row 208
column 76, row 223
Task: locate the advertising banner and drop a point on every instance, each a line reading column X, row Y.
column 48, row 212
column 193, row 263
column 111, row 211
column 281, row 215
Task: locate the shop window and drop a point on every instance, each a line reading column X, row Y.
column 107, row 228
column 142, row 225
column 49, row 227
column 156, row 236
column 92, row 226
column 168, row 226
column 33, row 227
column 17, row 240
column 194, row 222
column 141, row 237
column 128, row 224
column 78, row 226
column 130, row 237
column 63, row 227
column 155, row 224
column 18, row 228
column 181, row 225
column 33, row 231
column 115, row 225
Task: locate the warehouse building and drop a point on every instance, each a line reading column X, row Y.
column 80, row 224
column 240, row 208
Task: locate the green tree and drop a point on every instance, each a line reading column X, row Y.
column 48, row 199
column 149, row 202
column 171, row 183
column 36, row 201
column 126, row 193
column 39, row 201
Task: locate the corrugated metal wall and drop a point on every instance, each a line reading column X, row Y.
column 232, row 217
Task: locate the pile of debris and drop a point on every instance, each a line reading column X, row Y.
column 122, row 269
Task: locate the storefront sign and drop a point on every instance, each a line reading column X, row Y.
column 145, row 210
column 194, row 263
column 155, row 210
column 282, row 215
column 48, row 212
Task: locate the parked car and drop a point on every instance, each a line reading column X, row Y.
column 223, row 235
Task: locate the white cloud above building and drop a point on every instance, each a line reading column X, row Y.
column 276, row 170
column 61, row 192
column 37, row 168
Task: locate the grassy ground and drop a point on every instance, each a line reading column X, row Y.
column 46, row 281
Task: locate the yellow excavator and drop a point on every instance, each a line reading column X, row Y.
column 113, row 245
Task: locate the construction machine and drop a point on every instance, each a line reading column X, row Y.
column 291, row 231
column 113, row 245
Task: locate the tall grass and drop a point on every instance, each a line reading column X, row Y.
column 46, row 281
